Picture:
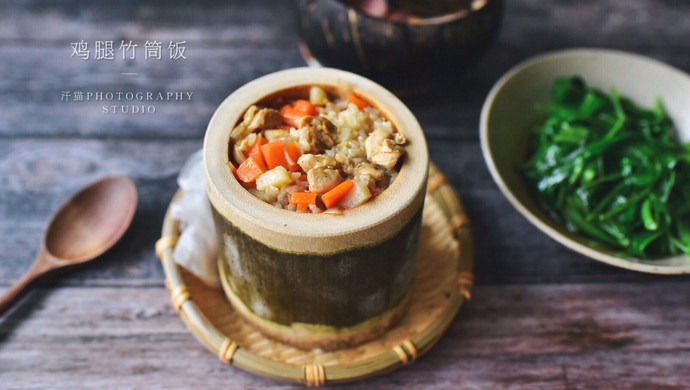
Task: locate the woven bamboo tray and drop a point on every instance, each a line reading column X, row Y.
column 442, row 284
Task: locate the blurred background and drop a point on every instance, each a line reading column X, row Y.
column 50, row 147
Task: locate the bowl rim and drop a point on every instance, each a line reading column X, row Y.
column 413, row 21
column 287, row 230
column 630, row 263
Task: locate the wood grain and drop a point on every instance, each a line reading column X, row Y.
column 40, row 174
column 578, row 336
column 542, row 317
column 223, row 38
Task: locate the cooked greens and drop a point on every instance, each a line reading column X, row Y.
column 612, row 171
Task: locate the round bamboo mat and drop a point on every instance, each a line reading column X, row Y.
column 442, row 284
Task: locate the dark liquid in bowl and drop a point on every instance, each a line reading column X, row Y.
column 402, row 10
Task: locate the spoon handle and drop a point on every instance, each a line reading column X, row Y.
column 21, row 286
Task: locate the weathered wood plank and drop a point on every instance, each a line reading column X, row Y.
column 641, row 22
column 232, row 43
column 227, row 45
column 39, row 174
column 262, row 22
column 33, row 106
column 593, row 336
column 110, row 325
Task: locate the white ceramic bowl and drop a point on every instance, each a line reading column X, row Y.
column 508, row 116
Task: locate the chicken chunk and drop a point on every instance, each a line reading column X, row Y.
column 323, row 179
column 256, row 119
column 345, row 163
column 316, row 134
column 265, row 118
column 240, row 147
column 309, row 161
column 383, row 148
column 367, row 173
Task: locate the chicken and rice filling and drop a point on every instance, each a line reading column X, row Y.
column 320, row 154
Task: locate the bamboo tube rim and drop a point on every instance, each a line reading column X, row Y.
column 314, row 374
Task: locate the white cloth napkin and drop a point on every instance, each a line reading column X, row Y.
column 196, row 249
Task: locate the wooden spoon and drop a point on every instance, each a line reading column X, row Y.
column 87, row 225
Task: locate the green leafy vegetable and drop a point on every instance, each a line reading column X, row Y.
column 612, row 171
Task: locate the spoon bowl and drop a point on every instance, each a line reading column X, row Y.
column 93, row 226
column 87, row 225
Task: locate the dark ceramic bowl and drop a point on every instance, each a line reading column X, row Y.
column 404, row 55
column 317, row 280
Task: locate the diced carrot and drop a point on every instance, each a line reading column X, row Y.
column 352, row 99
column 304, row 107
column 274, row 155
column 290, row 115
column 292, row 154
column 303, row 199
column 303, row 177
column 255, row 149
column 234, row 172
column 233, row 169
column 251, row 169
column 332, row 197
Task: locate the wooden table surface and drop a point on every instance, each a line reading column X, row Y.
column 541, row 317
